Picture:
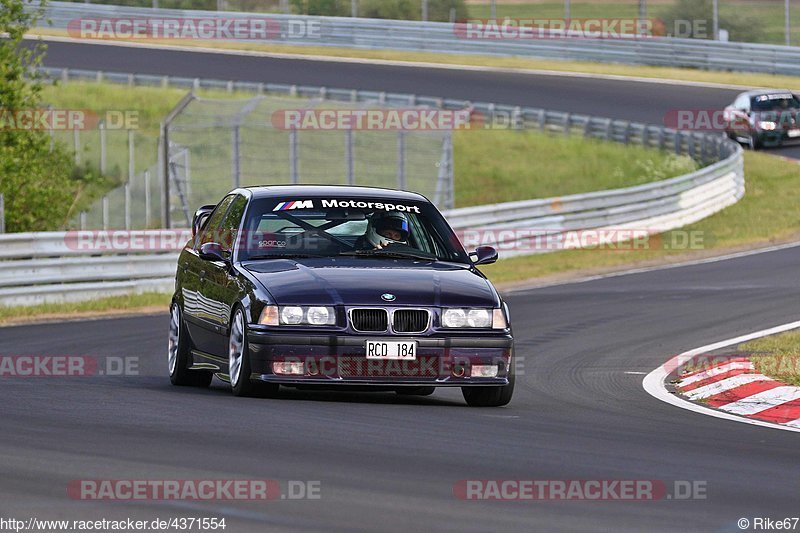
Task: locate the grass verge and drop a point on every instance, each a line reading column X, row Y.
column 134, row 303
column 494, row 166
column 767, row 214
column 777, row 356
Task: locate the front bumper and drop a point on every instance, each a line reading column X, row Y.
column 777, row 138
column 341, row 360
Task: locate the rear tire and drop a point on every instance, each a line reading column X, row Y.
column 490, row 396
column 416, row 391
column 179, row 355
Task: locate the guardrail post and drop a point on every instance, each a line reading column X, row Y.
column 587, row 128
column 2, row 214
column 147, row 208
column 567, row 124
column 516, row 119
column 128, row 206
column 82, row 219
column 105, row 212
column 131, row 156
column 163, row 175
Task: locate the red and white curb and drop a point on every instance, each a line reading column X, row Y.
column 730, row 389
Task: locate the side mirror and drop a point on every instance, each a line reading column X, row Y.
column 484, row 255
column 200, row 218
column 212, row 251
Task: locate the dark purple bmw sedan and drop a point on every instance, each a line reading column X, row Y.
column 330, row 286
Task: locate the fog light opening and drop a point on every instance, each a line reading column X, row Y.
column 459, row 370
column 484, row 371
column 288, row 368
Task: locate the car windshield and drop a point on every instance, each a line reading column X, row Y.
column 775, row 102
column 362, row 227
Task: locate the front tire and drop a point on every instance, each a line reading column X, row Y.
column 239, row 357
column 490, row 396
column 754, row 143
column 179, row 355
column 239, row 369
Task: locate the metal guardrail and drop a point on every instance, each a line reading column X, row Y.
column 56, row 267
column 451, row 39
column 51, row 267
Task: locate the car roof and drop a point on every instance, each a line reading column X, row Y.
column 321, row 191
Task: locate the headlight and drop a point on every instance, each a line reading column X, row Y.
column 319, row 316
column 767, row 125
column 479, row 318
column 473, row 318
column 293, row 315
column 454, row 318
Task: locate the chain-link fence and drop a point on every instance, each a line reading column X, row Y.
column 215, row 145
column 237, row 143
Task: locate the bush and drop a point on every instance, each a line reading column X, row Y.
column 39, row 185
column 743, row 29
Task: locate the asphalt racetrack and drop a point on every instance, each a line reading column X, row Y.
column 385, row 462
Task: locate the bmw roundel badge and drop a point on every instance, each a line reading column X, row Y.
column 388, row 297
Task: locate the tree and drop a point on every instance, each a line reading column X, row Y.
column 38, row 184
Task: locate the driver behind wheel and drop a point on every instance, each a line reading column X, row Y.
column 384, row 229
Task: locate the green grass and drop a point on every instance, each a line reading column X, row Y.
column 768, row 213
column 494, row 166
column 767, row 13
column 133, row 302
column 777, row 356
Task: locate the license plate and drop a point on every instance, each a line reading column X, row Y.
column 793, row 133
column 405, row 350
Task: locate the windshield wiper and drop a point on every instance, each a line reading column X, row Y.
column 390, row 254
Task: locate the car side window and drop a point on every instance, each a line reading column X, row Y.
column 211, row 229
column 229, row 227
